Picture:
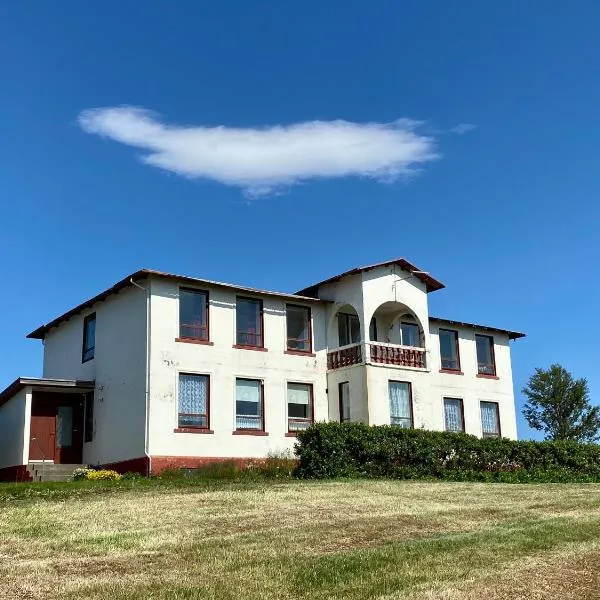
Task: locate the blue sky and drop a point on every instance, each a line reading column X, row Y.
column 506, row 215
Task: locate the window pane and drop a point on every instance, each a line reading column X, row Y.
column 344, row 398
column 453, row 414
column 64, row 427
column 410, row 335
column 354, row 329
column 248, row 404
column 400, row 409
column 448, row 346
column 489, row 419
column 192, row 314
column 193, row 400
column 89, row 337
column 248, row 322
column 485, row 355
column 343, row 333
column 298, row 328
column 299, row 396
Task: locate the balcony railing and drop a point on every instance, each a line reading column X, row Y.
column 377, row 353
column 345, row 357
column 401, row 356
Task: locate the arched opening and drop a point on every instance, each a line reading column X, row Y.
column 344, row 337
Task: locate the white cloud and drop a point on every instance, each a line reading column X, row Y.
column 262, row 160
column 463, row 128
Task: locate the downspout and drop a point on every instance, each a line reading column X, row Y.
column 147, row 391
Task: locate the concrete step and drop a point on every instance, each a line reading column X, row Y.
column 51, row 471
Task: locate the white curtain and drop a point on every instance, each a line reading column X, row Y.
column 452, row 414
column 400, row 409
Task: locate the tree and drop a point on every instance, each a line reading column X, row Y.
column 560, row 406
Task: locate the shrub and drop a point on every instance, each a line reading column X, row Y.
column 95, row 475
column 328, row 450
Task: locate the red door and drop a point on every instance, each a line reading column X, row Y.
column 42, row 436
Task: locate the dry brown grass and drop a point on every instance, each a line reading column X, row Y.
column 364, row 539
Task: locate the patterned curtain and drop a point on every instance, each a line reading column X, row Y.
column 452, row 414
column 193, row 400
column 489, row 418
column 400, row 413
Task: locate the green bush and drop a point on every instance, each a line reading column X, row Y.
column 328, row 450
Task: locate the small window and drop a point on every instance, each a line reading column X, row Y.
column 193, row 314
column 453, row 414
column 401, row 404
column 249, row 400
column 300, row 406
column 344, row 400
column 449, row 352
column 88, row 424
column 490, row 419
column 411, row 335
column 348, row 329
column 193, row 401
column 249, row 325
column 486, row 362
column 298, row 328
column 89, row 338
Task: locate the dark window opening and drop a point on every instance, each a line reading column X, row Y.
column 89, row 338
column 193, row 314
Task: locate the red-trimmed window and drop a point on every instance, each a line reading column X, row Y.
column 449, row 350
column 88, row 347
column 486, row 361
column 249, row 405
column 299, row 335
column 300, row 406
column 454, row 419
column 490, row 419
column 249, row 322
column 194, row 401
column 401, row 409
column 193, row 314
column 344, row 401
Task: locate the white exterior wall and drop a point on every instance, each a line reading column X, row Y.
column 14, row 430
column 223, row 364
column 118, row 368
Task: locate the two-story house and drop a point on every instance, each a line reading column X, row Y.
column 165, row 371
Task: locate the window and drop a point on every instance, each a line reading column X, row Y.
column 344, row 399
column 373, row 329
column 89, row 338
column 193, row 314
column 401, row 404
column 410, row 334
column 298, row 328
column 449, row 350
column 486, row 363
column 88, row 425
column 300, row 406
column 249, row 412
column 453, row 414
column 249, row 322
column 348, row 329
column 193, row 401
column 490, row 419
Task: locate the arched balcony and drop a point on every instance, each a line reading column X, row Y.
column 345, row 336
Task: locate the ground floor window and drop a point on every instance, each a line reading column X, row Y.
column 300, row 406
column 490, row 419
column 88, row 426
column 344, row 399
column 453, row 414
column 249, row 413
column 401, row 412
column 193, row 401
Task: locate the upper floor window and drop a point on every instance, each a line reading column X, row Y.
column 193, row 314
column 401, row 412
column 449, row 352
column 89, row 338
column 410, row 334
column 453, row 414
column 348, row 329
column 193, row 401
column 249, row 322
column 298, row 328
column 300, row 406
column 486, row 362
column 490, row 419
column 249, row 400
column 344, row 401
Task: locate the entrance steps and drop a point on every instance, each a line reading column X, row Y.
column 47, row 471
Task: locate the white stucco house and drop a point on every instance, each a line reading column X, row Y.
column 163, row 371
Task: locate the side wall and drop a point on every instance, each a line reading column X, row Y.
column 14, row 421
column 223, row 364
column 118, row 368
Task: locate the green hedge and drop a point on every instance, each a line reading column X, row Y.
column 327, row 450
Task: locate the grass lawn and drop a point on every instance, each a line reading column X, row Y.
column 352, row 540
